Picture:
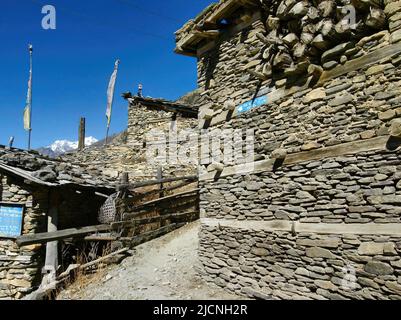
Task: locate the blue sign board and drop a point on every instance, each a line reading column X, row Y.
column 11, row 217
column 252, row 104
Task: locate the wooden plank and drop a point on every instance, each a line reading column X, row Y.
column 97, row 261
column 349, row 148
column 99, row 238
column 208, row 34
column 359, row 63
column 145, row 237
column 164, row 180
column 192, row 192
column 299, row 227
column 227, row 34
column 161, row 218
column 46, row 291
column 160, row 201
column 338, row 150
column 44, row 237
column 226, row 8
column 136, row 197
column 51, row 262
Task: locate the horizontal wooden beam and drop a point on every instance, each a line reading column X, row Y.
column 159, row 181
column 227, row 34
column 147, row 236
column 175, row 217
column 44, row 237
column 355, row 147
column 359, row 63
column 298, row 227
column 135, row 211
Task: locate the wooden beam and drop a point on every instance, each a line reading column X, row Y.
column 46, row 291
column 176, row 217
column 159, row 181
column 301, row 227
column 359, row 63
column 338, row 150
column 193, row 192
column 150, row 204
column 229, row 33
column 209, row 34
column 349, row 148
column 97, row 261
column 51, row 263
column 148, row 193
column 81, row 134
column 226, row 8
column 154, row 233
column 45, row 237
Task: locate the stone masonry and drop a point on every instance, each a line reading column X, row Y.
column 319, row 216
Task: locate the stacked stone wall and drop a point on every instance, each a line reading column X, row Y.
column 324, row 228
column 20, row 268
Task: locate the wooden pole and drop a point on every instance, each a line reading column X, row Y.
column 107, row 135
column 51, row 262
column 30, row 102
column 81, row 134
column 160, row 178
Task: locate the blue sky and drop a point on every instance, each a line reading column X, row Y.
column 73, row 64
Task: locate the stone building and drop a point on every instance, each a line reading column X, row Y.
column 36, row 194
column 128, row 151
column 317, row 215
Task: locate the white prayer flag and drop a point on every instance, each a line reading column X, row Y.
column 28, row 104
column 110, row 93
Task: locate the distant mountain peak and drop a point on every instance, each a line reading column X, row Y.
column 60, row 147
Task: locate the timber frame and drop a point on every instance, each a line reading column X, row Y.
column 202, row 34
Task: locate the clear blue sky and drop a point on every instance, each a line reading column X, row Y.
column 73, row 64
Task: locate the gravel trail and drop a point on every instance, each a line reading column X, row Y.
column 162, row 269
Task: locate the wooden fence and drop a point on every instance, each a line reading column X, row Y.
column 146, row 209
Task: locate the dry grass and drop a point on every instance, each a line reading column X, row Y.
column 80, row 278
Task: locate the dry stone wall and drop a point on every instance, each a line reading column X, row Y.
column 242, row 66
column 129, row 154
column 20, row 268
column 326, row 228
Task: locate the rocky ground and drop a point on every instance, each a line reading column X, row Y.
column 160, row 269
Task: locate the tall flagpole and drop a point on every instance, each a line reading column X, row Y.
column 110, row 97
column 30, row 102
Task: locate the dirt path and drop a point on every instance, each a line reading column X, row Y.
column 160, row 269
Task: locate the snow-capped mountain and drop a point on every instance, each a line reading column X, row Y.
column 62, row 146
column 59, row 147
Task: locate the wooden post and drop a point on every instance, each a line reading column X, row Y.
column 81, row 134
column 159, row 178
column 125, row 179
column 51, row 263
column 124, row 184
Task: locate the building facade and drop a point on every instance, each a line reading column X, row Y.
column 39, row 194
column 317, row 214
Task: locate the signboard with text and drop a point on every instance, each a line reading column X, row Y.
column 11, row 217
